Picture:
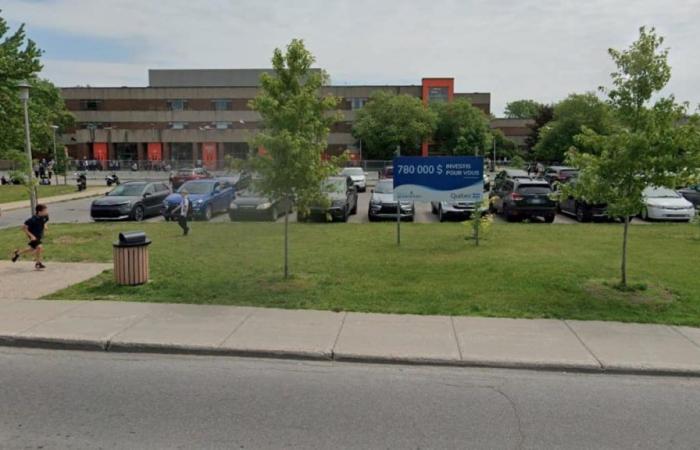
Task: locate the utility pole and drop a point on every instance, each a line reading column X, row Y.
column 24, row 97
column 55, row 159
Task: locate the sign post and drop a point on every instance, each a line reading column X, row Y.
column 454, row 179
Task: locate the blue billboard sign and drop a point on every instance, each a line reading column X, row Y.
column 439, row 178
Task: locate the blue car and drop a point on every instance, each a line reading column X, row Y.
column 208, row 197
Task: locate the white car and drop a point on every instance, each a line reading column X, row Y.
column 662, row 203
column 358, row 177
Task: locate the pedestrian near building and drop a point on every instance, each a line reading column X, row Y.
column 34, row 228
column 185, row 211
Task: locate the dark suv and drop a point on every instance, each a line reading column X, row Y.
column 559, row 174
column 581, row 209
column 341, row 195
column 523, row 198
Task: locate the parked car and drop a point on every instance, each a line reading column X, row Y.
column 662, row 203
column 522, row 198
column 487, row 181
column 453, row 210
column 240, row 181
column 208, row 197
column 580, row 208
column 382, row 204
column 692, row 194
column 134, row 200
column 342, row 200
column 358, row 177
column 184, row 175
column 252, row 205
column 387, row 172
column 559, row 174
column 509, row 174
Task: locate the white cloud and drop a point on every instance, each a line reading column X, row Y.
column 541, row 49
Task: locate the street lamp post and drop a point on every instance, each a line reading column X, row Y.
column 24, row 97
column 55, row 160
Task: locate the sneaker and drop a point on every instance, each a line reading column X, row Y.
column 15, row 256
column 39, row 266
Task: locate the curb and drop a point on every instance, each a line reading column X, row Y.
column 164, row 349
column 48, row 201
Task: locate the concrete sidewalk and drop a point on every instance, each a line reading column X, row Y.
column 20, row 281
column 406, row 339
column 89, row 192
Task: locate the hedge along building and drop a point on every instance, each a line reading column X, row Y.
column 203, row 115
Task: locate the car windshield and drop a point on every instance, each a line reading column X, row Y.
column 384, row 187
column 334, row 185
column 127, row 190
column 660, row 192
column 196, row 188
column 352, row 171
column 250, row 192
column 534, row 189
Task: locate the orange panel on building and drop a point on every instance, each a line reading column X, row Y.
column 209, row 154
column 436, row 90
column 99, row 151
column 155, row 151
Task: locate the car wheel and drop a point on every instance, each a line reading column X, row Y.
column 549, row 218
column 441, row 215
column 433, row 210
column 208, row 213
column 138, row 213
column 507, row 214
column 346, row 215
column 371, row 218
column 581, row 215
column 354, row 209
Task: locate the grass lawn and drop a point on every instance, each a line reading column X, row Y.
column 521, row 270
column 14, row 193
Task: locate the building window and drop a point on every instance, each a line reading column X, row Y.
column 178, row 125
column 90, row 105
column 357, row 102
column 177, row 105
column 222, row 125
column 438, row 94
column 221, row 105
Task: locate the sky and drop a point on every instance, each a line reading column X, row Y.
column 514, row 49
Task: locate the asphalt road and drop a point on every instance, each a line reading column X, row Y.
column 57, row 399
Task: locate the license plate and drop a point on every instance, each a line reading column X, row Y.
column 537, row 201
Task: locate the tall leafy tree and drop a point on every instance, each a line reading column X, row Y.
column 461, row 129
column 651, row 142
column 522, row 109
column 296, row 121
column 388, row 121
column 543, row 117
column 570, row 116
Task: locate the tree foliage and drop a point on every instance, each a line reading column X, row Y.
column 19, row 61
column 543, row 117
column 651, row 143
column 461, row 129
column 389, row 120
column 570, row 116
column 296, row 121
column 523, row 109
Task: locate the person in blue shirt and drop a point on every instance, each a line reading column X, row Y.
column 34, row 228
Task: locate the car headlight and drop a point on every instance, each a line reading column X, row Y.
column 233, row 206
column 265, row 205
column 199, row 202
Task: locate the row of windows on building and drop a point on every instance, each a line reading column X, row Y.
column 170, row 125
column 216, row 105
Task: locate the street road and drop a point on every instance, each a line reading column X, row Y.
column 58, row 399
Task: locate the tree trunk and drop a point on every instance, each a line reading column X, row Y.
column 623, row 267
column 476, row 234
column 286, row 242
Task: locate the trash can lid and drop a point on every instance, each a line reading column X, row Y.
column 132, row 239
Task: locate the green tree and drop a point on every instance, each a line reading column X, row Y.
column 296, row 121
column 651, row 143
column 570, row 116
column 505, row 148
column 543, row 117
column 523, row 109
column 461, row 129
column 389, row 120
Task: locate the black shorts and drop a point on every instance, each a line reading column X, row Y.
column 35, row 243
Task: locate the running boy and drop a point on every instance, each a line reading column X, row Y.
column 34, row 228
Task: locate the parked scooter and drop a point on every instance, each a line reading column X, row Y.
column 81, row 181
column 112, row 179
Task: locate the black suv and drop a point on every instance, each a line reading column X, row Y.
column 523, row 198
column 581, row 209
column 341, row 194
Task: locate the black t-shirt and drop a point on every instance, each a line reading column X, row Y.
column 35, row 225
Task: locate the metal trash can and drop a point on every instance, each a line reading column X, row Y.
column 131, row 258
